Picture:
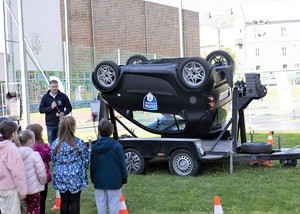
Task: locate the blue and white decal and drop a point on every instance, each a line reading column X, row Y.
column 150, row 102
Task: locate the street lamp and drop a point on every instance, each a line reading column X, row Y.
column 219, row 33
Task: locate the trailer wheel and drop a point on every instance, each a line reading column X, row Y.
column 136, row 59
column 134, row 161
column 194, row 72
column 288, row 162
column 182, row 163
column 256, row 147
column 106, row 75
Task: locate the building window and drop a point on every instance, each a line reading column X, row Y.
column 284, row 66
column 283, row 51
column 257, row 67
column 283, row 31
column 256, row 32
column 257, row 52
column 31, row 75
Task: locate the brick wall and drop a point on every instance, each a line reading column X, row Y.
column 135, row 26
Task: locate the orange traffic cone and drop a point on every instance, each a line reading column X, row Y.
column 123, row 208
column 270, row 138
column 57, row 201
column 217, row 206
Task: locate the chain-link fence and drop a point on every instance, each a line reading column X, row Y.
column 97, row 30
column 105, row 30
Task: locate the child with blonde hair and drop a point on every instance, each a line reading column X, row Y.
column 45, row 151
column 70, row 159
column 35, row 171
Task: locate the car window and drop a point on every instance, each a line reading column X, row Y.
column 159, row 122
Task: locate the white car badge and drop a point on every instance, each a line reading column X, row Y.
column 150, row 102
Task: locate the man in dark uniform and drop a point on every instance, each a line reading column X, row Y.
column 55, row 105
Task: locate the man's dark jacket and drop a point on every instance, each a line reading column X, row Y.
column 63, row 105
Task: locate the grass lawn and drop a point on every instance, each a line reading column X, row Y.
column 248, row 190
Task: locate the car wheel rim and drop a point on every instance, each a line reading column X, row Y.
column 106, row 76
column 132, row 162
column 182, row 165
column 218, row 60
column 193, row 74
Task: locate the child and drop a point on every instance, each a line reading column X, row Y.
column 70, row 159
column 108, row 170
column 12, row 173
column 2, row 119
column 36, row 176
column 45, row 152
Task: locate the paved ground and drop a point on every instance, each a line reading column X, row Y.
column 270, row 113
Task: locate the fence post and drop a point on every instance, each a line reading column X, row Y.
column 119, row 56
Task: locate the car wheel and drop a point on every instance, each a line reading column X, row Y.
column 219, row 58
column 288, row 162
column 106, row 75
column 136, row 59
column 134, row 161
column 182, row 163
column 256, row 147
column 193, row 72
column 94, row 82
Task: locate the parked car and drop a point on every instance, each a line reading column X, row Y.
column 173, row 97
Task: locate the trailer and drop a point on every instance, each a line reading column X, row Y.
column 192, row 130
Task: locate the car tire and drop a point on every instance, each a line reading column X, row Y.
column 219, row 58
column 136, row 59
column 134, row 161
column 182, row 163
column 106, row 75
column 288, row 162
column 94, row 81
column 193, row 72
column 256, row 148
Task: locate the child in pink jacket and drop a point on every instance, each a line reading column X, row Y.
column 36, row 176
column 45, row 152
column 12, row 172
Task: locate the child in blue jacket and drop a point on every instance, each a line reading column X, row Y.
column 108, row 169
column 70, row 160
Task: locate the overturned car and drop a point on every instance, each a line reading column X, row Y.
column 173, row 97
